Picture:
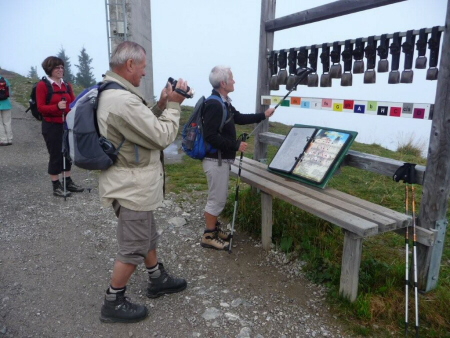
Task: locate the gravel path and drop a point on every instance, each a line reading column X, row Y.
column 56, row 260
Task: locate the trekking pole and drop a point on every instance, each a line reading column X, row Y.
column 64, row 155
column 243, row 138
column 89, row 181
column 416, row 295
column 301, row 74
column 406, row 260
column 407, row 173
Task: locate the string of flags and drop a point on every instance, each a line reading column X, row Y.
column 422, row 111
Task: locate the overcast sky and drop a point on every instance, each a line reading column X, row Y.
column 190, row 37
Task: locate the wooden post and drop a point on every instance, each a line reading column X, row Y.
column 436, row 185
column 262, row 86
column 351, row 261
column 140, row 29
column 266, row 220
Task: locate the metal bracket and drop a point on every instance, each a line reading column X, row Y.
column 436, row 254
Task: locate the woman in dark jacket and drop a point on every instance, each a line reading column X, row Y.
column 54, row 108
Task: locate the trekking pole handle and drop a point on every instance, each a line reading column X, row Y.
column 63, row 99
column 243, row 137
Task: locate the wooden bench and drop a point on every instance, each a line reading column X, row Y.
column 358, row 218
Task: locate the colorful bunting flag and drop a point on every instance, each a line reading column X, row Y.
column 379, row 108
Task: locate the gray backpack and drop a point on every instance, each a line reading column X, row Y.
column 82, row 140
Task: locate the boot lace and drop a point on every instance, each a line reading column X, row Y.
column 216, row 238
column 126, row 305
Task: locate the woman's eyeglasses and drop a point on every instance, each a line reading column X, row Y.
column 59, row 67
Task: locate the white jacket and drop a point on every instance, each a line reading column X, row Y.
column 136, row 179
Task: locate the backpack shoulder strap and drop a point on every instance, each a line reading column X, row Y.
column 109, row 85
column 49, row 90
column 68, row 87
column 104, row 86
column 101, row 87
column 225, row 120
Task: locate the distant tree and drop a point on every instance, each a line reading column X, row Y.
column 68, row 75
column 85, row 77
column 33, row 73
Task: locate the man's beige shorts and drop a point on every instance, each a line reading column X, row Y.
column 218, row 178
column 136, row 234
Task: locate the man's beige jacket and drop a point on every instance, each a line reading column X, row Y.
column 136, row 179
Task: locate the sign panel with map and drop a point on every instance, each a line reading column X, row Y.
column 311, row 154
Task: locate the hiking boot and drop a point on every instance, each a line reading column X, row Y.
column 211, row 240
column 58, row 190
column 164, row 284
column 71, row 186
column 118, row 309
column 224, row 236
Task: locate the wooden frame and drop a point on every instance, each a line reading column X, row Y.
column 435, row 177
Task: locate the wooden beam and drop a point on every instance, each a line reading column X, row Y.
column 426, row 237
column 262, row 87
column 380, row 165
column 436, row 185
column 324, row 12
column 376, row 164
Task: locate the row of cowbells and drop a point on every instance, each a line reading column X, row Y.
column 353, row 56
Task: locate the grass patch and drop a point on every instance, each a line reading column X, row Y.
column 187, row 176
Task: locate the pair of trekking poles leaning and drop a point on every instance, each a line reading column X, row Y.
column 407, row 174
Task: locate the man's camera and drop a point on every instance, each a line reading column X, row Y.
column 189, row 93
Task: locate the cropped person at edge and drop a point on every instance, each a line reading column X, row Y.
column 134, row 184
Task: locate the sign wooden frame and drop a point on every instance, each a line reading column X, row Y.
column 311, row 154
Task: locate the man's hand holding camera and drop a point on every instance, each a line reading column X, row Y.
column 170, row 92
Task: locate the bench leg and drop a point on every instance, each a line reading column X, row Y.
column 351, row 261
column 266, row 220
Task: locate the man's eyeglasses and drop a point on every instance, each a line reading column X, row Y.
column 59, row 67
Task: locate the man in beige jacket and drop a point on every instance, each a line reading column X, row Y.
column 134, row 184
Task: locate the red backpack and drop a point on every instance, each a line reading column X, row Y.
column 4, row 89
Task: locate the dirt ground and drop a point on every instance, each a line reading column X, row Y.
column 56, row 260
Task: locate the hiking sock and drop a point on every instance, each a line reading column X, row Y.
column 68, row 180
column 56, row 184
column 153, row 271
column 112, row 290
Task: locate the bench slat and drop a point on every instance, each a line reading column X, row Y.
column 402, row 220
column 384, row 222
column 329, row 213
